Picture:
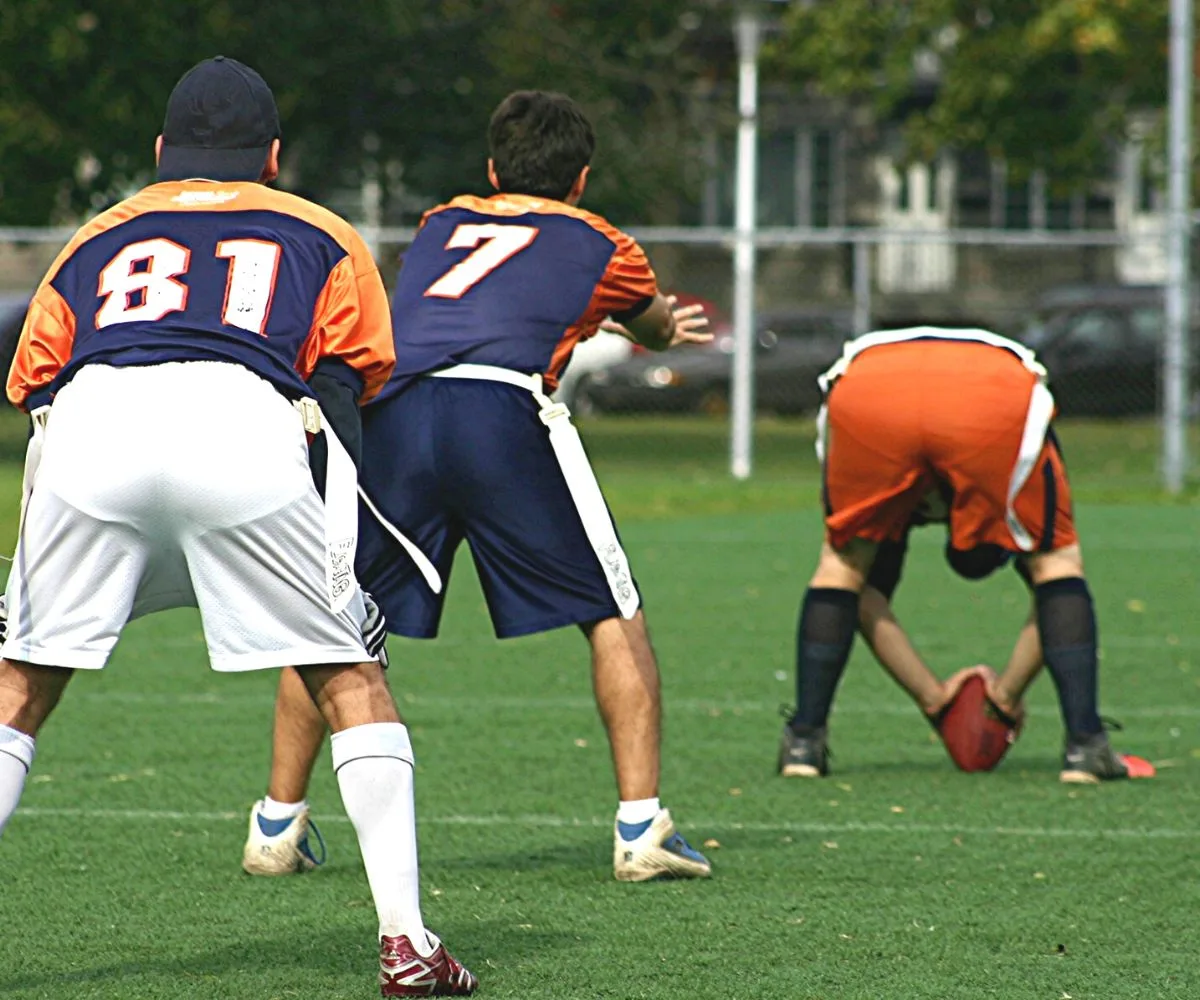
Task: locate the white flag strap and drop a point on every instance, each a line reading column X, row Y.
column 1033, row 440
column 577, row 471
column 341, row 515
column 423, row 563
column 33, row 455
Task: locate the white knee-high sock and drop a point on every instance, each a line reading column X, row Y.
column 16, row 758
column 374, row 766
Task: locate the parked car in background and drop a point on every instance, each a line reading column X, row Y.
column 792, row 347
column 1102, row 346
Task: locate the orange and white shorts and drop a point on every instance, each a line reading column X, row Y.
column 905, row 416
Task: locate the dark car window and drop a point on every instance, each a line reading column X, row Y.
column 1146, row 322
column 1091, row 331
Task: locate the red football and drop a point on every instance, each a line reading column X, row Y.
column 975, row 738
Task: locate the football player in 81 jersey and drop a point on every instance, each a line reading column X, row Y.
column 165, row 360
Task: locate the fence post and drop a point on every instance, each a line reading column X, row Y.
column 862, row 287
column 1178, row 232
column 749, row 38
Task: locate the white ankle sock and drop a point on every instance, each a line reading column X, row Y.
column 374, row 766
column 16, row 758
column 281, row 810
column 637, row 810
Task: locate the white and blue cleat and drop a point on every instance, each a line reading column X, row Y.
column 654, row 850
column 281, row 846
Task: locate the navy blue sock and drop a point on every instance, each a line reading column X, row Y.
column 828, row 621
column 1067, row 626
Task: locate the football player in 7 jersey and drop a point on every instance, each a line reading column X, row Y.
column 464, row 444
column 165, row 360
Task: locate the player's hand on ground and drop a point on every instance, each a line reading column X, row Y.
column 375, row 630
column 953, row 684
column 1013, row 712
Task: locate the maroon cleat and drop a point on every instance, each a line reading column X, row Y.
column 404, row 972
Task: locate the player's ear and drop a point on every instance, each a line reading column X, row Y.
column 271, row 167
column 578, row 187
column 491, row 172
column 157, row 150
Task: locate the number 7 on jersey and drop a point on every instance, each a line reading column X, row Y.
column 492, row 243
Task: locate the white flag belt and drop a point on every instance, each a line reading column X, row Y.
column 1037, row 416
column 341, row 515
column 577, row 471
column 856, row 346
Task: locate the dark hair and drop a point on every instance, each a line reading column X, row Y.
column 539, row 142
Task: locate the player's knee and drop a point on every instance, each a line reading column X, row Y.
column 1060, row 564
column 977, row 563
column 351, row 694
column 845, row 568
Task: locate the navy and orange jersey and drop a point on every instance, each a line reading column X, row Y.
column 206, row 271
column 512, row 281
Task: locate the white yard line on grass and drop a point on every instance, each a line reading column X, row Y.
column 556, row 822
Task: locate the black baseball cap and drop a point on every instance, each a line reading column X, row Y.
column 221, row 120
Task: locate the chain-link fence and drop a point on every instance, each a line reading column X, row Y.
column 1089, row 302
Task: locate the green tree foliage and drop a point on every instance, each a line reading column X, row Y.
column 1043, row 83
column 404, row 87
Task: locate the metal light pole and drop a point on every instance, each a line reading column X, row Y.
column 1178, row 234
column 749, row 43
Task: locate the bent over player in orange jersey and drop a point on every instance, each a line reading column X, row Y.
column 967, row 412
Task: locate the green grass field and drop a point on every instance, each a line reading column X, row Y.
column 897, row 877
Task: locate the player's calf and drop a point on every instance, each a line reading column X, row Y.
column 28, row 694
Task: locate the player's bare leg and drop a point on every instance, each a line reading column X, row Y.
column 626, row 683
column 280, row 840
column 298, row 732
column 373, row 760
column 828, row 620
column 1066, row 620
column 28, row 694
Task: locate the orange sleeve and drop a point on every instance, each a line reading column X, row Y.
column 352, row 321
column 629, row 280
column 45, row 345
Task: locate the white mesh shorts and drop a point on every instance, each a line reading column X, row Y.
column 174, row 485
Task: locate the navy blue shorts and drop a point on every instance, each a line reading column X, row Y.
column 448, row 459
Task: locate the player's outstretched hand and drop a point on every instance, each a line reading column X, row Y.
column 691, row 323
column 690, row 326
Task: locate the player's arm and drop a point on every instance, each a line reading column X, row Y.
column 886, row 636
column 43, row 348
column 631, row 304
column 338, row 389
column 1024, row 662
column 888, row 640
